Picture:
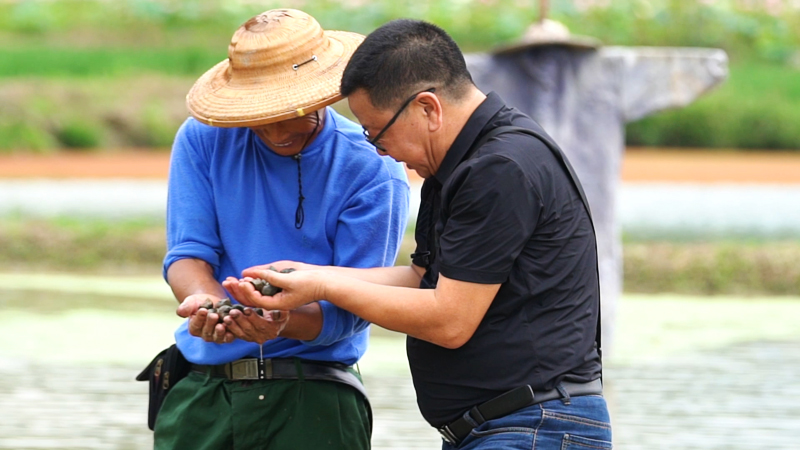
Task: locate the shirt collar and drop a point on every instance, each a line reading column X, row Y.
column 469, row 134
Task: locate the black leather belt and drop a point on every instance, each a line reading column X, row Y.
column 282, row 369
column 511, row 401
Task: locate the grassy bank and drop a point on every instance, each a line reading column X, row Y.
column 136, row 247
column 81, row 245
column 713, row 268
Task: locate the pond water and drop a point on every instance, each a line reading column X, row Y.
column 688, row 373
column 722, row 209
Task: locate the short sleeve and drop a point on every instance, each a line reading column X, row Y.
column 492, row 210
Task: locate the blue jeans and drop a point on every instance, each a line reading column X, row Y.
column 582, row 425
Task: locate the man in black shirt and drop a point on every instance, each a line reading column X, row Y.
column 501, row 302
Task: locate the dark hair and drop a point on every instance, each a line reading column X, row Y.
column 405, row 56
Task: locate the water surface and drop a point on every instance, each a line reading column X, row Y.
column 688, row 373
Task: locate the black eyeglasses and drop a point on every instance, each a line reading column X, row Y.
column 374, row 141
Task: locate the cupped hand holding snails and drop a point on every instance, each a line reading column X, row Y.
column 250, row 326
column 202, row 322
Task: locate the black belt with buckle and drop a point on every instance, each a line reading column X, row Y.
column 282, row 369
column 511, row 401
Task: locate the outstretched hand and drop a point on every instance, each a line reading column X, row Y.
column 300, row 287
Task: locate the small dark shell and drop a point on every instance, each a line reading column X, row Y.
column 224, row 302
column 258, row 284
column 223, row 312
column 272, row 268
column 270, row 290
column 208, row 304
column 238, row 307
column 259, row 311
column 290, row 270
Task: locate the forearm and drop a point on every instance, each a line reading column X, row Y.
column 193, row 276
column 398, row 276
column 413, row 311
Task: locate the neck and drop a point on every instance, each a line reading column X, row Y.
column 456, row 116
column 321, row 117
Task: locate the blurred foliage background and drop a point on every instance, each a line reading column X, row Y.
column 101, row 74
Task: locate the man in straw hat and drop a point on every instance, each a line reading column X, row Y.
column 264, row 171
column 501, row 302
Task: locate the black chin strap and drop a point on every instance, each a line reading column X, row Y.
column 299, row 214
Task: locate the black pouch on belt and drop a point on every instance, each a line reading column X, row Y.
column 166, row 369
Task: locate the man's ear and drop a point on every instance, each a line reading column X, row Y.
column 432, row 108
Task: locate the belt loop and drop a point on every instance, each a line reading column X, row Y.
column 207, row 373
column 265, row 369
column 474, row 415
column 228, row 369
column 299, row 366
column 565, row 399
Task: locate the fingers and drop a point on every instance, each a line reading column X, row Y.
column 212, row 320
column 188, row 307
column 220, row 334
column 238, row 325
column 206, row 325
column 237, row 289
column 248, row 295
column 278, row 266
column 259, row 271
column 249, row 326
column 279, row 316
column 197, row 322
column 274, row 302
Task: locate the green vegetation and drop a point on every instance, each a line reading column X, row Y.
column 82, row 245
column 57, row 62
column 95, row 112
column 758, row 107
column 713, row 268
column 92, row 55
column 136, row 247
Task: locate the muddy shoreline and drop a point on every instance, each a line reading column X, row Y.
column 639, row 165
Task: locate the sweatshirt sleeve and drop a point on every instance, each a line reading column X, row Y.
column 368, row 234
column 191, row 217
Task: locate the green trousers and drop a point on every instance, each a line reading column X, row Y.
column 202, row 412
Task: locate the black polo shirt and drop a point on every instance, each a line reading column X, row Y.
column 506, row 213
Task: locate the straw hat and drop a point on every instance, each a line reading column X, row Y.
column 549, row 32
column 281, row 65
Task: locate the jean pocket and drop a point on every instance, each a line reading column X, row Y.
column 573, row 442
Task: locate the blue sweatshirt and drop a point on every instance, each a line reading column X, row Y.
column 232, row 203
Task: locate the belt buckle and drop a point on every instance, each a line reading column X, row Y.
column 448, row 435
column 244, row 369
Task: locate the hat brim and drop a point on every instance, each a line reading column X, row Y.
column 578, row 42
column 218, row 101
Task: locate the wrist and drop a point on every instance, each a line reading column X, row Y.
column 304, row 323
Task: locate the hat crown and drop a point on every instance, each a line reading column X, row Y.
column 272, row 43
column 546, row 29
column 281, row 64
